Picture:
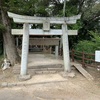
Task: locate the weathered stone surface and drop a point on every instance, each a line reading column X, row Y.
column 24, row 77
column 55, row 69
column 40, row 32
column 67, row 74
column 31, row 19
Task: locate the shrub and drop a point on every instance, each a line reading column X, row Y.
column 89, row 46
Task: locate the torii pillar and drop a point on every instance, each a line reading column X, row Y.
column 66, row 48
column 25, row 48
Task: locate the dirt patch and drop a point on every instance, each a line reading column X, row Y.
column 7, row 76
column 50, row 87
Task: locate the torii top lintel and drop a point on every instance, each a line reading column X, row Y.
column 53, row 20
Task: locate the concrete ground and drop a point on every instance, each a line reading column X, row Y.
column 43, row 59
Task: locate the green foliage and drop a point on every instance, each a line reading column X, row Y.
column 71, row 8
column 86, row 46
column 89, row 9
column 24, row 7
column 92, row 12
column 91, row 17
column 76, row 26
column 89, row 46
column 41, row 11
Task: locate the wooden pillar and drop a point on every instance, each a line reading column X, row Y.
column 25, row 47
column 66, row 57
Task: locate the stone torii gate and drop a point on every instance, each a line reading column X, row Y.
column 46, row 21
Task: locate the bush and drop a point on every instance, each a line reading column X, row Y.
column 89, row 46
column 86, row 46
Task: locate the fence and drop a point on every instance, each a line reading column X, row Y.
column 1, row 47
column 84, row 58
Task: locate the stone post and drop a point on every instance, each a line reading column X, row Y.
column 25, row 47
column 56, row 51
column 66, row 57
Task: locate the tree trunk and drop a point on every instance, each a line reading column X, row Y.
column 9, row 42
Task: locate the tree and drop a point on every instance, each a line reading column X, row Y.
column 9, row 43
column 25, row 7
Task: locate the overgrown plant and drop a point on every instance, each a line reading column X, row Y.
column 89, row 46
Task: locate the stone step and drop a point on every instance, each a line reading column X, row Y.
column 44, row 69
column 46, row 66
column 40, row 71
column 41, row 66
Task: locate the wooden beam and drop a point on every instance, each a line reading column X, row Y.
column 44, row 41
column 31, row 19
column 41, row 32
column 82, row 70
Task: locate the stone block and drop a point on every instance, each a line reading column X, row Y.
column 67, row 74
column 24, row 77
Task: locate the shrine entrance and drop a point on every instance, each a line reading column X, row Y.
column 46, row 21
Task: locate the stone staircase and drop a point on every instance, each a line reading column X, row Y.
column 41, row 69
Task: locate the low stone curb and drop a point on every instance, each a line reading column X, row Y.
column 40, row 71
column 5, row 84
